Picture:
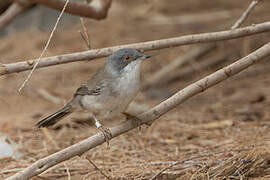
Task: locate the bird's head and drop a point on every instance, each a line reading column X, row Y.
column 125, row 59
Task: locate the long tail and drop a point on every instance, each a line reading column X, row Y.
column 55, row 117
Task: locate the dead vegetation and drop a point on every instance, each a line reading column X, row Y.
column 220, row 134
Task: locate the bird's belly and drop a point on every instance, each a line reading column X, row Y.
column 115, row 97
column 107, row 105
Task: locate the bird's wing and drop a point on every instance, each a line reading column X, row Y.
column 94, row 85
column 84, row 90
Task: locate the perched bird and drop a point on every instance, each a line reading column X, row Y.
column 108, row 92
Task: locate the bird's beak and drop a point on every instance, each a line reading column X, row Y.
column 146, row 56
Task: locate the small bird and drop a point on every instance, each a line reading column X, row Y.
column 107, row 93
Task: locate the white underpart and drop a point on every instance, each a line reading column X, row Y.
column 133, row 66
column 97, row 5
column 126, row 87
column 130, row 78
column 128, row 84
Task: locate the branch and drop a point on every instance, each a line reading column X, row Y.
column 150, row 45
column 12, row 11
column 46, row 46
column 189, row 71
column 147, row 117
column 166, row 73
column 245, row 14
column 169, row 71
column 96, row 9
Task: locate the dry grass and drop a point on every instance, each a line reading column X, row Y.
column 223, row 133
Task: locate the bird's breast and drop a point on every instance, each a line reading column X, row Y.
column 116, row 94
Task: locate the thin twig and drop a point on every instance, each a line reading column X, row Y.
column 11, row 170
column 245, row 14
column 146, row 46
column 147, row 117
column 68, row 173
column 84, row 34
column 45, row 48
column 168, row 71
column 48, row 96
column 49, row 137
column 211, row 62
column 95, row 166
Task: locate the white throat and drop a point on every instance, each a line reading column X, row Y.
column 129, row 79
column 133, row 67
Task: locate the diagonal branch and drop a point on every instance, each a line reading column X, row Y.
column 150, row 45
column 245, row 14
column 166, row 73
column 96, row 9
column 147, row 117
column 13, row 10
column 46, row 46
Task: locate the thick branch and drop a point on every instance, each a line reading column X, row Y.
column 147, row 117
column 96, row 9
column 12, row 11
column 150, row 45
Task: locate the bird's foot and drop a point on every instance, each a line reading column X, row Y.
column 135, row 120
column 106, row 133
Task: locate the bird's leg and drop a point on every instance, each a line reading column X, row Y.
column 134, row 119
column 105, row 131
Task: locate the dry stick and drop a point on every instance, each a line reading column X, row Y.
column 150, row 45
column 245, row 14
column 68, row 173
column 147, row 117
column 12, row 11
column 95, row 166
column 190, row 70
column 96, row 9
column 162, row 75
column 45, row 48
column 84, row 34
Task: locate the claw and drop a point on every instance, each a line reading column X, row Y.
column 106, row 133
column 135, row 120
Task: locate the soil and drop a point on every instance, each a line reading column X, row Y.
column 222, row 133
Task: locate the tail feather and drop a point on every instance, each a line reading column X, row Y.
column 55, row 117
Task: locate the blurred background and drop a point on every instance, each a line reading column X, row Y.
column 230, row 116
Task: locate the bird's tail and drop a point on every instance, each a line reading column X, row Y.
column 55, row 117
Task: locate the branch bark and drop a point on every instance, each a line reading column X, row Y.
column 166, row 73
column 150, row 45
column 245, row 14
column 147, row 117
column 12, row 11
column 96, row 9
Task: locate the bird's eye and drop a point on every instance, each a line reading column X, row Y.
column 127, row 58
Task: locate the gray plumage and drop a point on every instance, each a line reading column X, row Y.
column 108, row 92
